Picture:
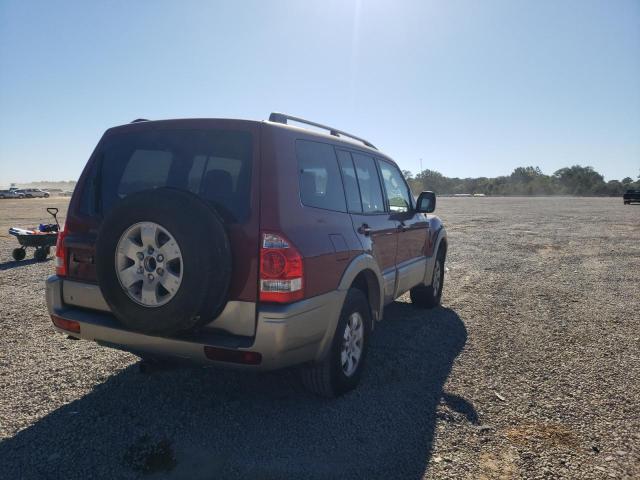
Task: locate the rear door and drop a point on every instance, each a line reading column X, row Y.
column 413, row 227
column 376, row 229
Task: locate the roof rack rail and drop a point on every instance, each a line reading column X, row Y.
column 283, row 117
column 140, row 120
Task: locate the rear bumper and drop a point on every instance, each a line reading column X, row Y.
column 285, row 335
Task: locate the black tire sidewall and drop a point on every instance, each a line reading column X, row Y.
column 422, row 295
column 440, row 260
column 206, row 260
column 356, row 301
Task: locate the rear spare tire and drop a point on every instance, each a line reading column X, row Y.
column 163, row 261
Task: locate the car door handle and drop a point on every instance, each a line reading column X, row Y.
column 403, row 228
column 364, row 229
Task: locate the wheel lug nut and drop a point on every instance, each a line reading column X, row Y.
column 150, row 249
column 140, row 255
column 160, row 258
column 150, row 277
column 159, row 271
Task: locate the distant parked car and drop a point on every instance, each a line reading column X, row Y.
column 9, row 194
column 631, row 196
column 34, row 193
column 17, row 191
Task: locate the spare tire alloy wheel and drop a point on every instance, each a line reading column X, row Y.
column 163, row 261
column 149, row 264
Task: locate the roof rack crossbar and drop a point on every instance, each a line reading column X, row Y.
column 283, row 117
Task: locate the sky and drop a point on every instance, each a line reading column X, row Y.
column 471, row 87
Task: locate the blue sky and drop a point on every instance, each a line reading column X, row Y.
column 471, row 87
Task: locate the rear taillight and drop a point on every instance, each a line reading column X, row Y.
column 61, row 253
column 281, row 270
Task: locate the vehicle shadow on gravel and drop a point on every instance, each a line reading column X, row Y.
column 204, row 423
column 22, row 263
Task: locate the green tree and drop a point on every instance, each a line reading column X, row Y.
column 578, row 180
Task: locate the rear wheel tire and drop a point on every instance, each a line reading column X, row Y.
column 342, row 368
column 431, row 296
column 18, row 254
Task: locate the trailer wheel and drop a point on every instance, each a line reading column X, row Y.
column 18, row 254
column 40, row 254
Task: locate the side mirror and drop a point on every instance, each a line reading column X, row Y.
column 426, row 202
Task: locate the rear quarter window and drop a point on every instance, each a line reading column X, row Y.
column 320, row 181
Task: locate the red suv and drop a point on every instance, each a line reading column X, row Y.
column 254, row 244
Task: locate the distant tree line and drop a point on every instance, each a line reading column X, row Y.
column 576, row 180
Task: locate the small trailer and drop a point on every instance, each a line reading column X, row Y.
column 42, row 239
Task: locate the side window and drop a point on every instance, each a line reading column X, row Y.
column 351, row 190
column 397, row 193
column 369, row 184
column 320, row 183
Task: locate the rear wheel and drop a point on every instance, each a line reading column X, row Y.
column 18, row 254
column 342, row 369
column 431, row 296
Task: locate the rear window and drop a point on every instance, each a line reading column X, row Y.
column 320, row 181
column 214, row 164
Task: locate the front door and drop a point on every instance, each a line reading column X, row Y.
column 413, row 227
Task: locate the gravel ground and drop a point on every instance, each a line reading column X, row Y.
column 530, row 370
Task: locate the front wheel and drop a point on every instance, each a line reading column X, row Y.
column 18, row 254
column 431, row 296
column 342, row 369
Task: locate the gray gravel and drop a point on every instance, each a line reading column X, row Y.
column 530, row 370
